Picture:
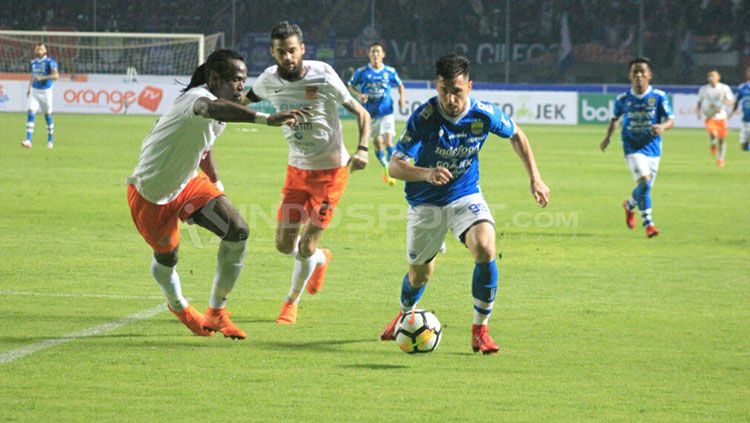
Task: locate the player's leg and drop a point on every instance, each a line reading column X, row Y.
column 721, row 135
column 47, row 109
column 425, row 232
column 33, row 107
column 643, row 169
column 159, row 227
column 389, row 131
column 745, row 136
column 712, row 136
column 471, row 221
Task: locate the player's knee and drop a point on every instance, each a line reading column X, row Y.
column 238, row 231
column 284, row 246
column 169, row 259
column 306, row 248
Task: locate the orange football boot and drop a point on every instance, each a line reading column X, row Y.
column 191, row 318
column 217, row 320
column 720, row 163
column 713, row 149
column 389, row 331
column 315, row 284
column 288, row 314
column 651, row 231
column 482, row 341
column 629, row 215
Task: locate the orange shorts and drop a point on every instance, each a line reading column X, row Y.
column 311, row 194
column 159, row 224
column 717, row 127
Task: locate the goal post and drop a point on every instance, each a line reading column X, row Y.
column 109, row 52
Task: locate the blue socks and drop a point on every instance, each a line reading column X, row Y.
column 642, row 195
column 380, row 154
column 483, row 289
column 409, row 295
column 30, row 125
column 390, row 151
column 50, row 127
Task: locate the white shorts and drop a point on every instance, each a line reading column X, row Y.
column 382, row 126
column 426, row 225
column 745, row 132
column 40, row 100
column 641, row 165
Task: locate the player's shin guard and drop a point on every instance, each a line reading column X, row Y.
column 50, row 126
column 169, row 282
column 410, row 295
column 642, row 194
column 380, row 154
column 230, row 261
column 483, row 289
column 390, row 150
column 30, row 125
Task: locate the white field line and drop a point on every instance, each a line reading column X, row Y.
column 13, row 355
column 81, row 295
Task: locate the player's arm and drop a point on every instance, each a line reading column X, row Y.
column 357, row 93
column 658, row 128
column 737, row 101
column 359, row 158
column 610, row 130
column 228, row 111
column 521, row 145
column 208, row 166
column 401, row 96
column 401, row 168
column 53, row 75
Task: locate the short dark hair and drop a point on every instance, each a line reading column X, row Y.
column 641, row 59
column 712, row 70
column 451, row 66
column 376, row 44
column 219, row 62
column 39, row 44
column 284, row 30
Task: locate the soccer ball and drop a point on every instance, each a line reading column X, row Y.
column 418, row 331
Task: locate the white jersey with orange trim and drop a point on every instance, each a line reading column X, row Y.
column 714, row 99
column 318, row 142
column 172, row 151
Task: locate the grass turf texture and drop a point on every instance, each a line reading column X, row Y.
column 595, row 322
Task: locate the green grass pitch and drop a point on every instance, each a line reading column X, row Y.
column 596, row 322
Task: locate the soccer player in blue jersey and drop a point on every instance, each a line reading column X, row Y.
column 645, row 113
column 743, row 99
column 372, row 84
column 43, row 73
column 443, row 138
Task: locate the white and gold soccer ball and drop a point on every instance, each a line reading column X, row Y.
column 418, row 331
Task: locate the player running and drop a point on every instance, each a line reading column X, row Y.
column 743, row 99
column 43, row 74
column 166, row 187
column 371, row 85
column 443, row 137
column 317, row 170
column 712, row 98
column 645, row 113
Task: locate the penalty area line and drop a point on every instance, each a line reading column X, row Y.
column 13, row 355
column 80, row 295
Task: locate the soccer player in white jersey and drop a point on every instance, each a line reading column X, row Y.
column 43, row 74
column 712, row 98
column 317, row 170
column 443, row 137
column 372, row 84
column 165, row 186
column 743, row 102
column 646, row 114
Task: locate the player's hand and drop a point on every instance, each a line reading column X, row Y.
column 219, row 185
column 289, row 117
column 604, row 144
column 358, row 160
column 439, row 176
column 656, row 129
column 540, row 192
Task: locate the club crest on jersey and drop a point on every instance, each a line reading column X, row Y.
column 310, row 93
column 651, row 101
column 426, row 112
column 477, row 127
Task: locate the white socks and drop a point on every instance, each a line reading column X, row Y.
column 230, row 261
column 169, row 282
column 482, row 318
column 722, row 150
column 303, row 268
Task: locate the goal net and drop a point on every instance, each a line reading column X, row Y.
column 109, row 52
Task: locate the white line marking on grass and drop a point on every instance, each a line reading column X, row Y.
column 13, row 355
column 80, row 295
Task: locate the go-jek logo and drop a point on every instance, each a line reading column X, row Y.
column 118, row 101
column 150, row 98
